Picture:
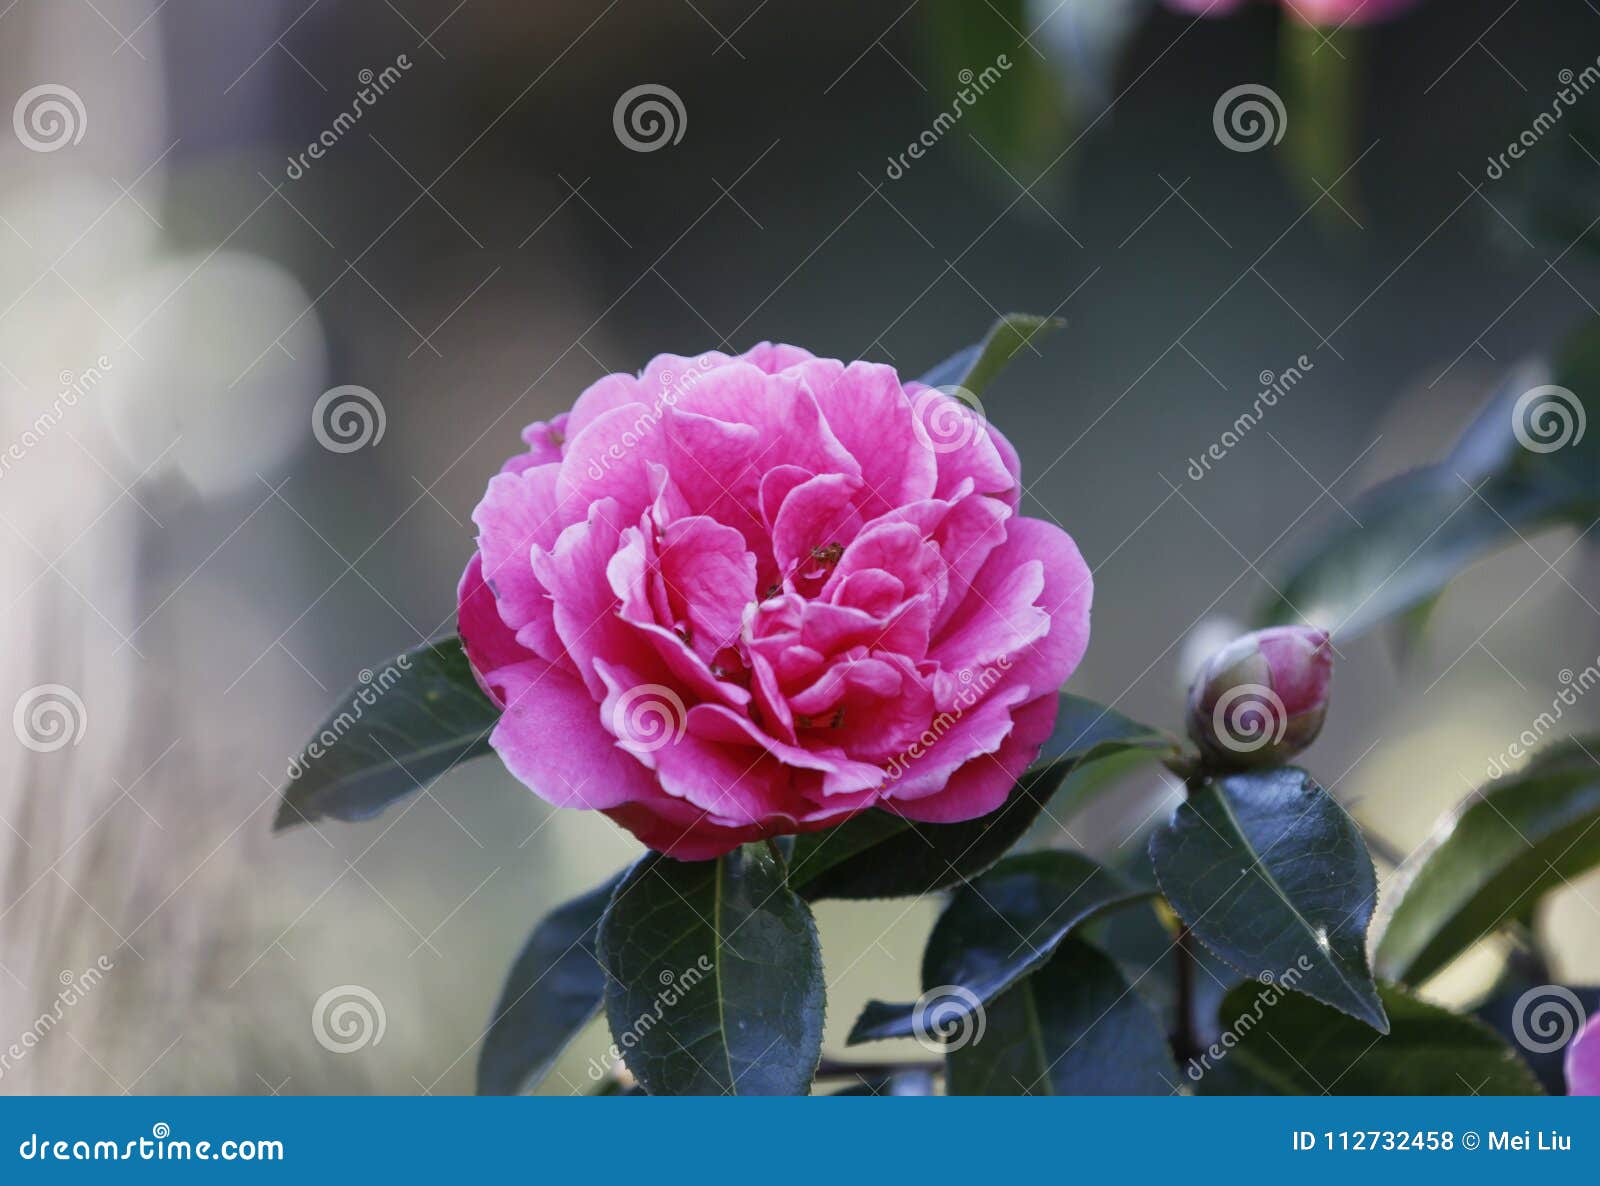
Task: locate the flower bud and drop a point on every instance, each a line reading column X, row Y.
column 1261, row 699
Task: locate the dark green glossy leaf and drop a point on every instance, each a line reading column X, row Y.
column 1490, row 862
column 390, row 736
column 975, row 367
column 715, row 977
column 1278, row 1043
column 1074, row 1027
column 879, row 855
column 997, row 930
column 553, row 991
column 1272, row 875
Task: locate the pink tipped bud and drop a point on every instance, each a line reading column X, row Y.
column 1261, row 699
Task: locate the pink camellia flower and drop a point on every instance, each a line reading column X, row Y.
column 736, row 598
column 1583, row 1060
column 1316, row 12
column 1263, row 697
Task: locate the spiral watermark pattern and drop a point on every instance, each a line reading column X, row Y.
column 649, row 116
column 947, row 419
column 49, row 117
column 348, row 418
column 1249, row 116
column 1548, row 418
column 347, row 1018
column 1546, row 1018
column 49, row 717
column 948, row 1017
column 649, row 717
column 1248, row 717
column 1574, row 686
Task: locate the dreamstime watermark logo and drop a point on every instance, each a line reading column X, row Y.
column 1248, row 717
column 947, row 419
column 649, row 717
column 1573, row 88
column 1274, row 386
column 49, row 717
column 374, row 85
column 1574, row 685
column 649, row 116
column 49, row 117
column 973, row 88
column 75, row 986
column 1274, row 986
column 1548, row 418
column 371, row 688
column 160, row 1145
column 675, row 986
column 73, row 388
column 1546, row 1018
column 947, row 1018
column 971, row 687
column 348, row 418
column 347, row 1018
column 1249, row 116
column 673, row 388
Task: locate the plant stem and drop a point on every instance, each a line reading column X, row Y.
column 1184, row 1043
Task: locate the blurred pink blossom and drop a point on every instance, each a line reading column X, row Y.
column 1316, row 12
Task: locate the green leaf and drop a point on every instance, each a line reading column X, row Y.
column 1527, row 462
column 880, row 855
column 975, row 367
column 715, row 977
column 1488, row 446
column 1569, row 753
column 1003, row 926
column 1141, row 942
column 391, row 736
column 554, row 990
column 1277, row 1043
column 1490, row 861
column 1272, row 875
column 1409, row 538
column 1074, row 1027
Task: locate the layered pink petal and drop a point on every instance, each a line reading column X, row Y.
column 982, row 784
column 736, row 598
column 586, row 769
